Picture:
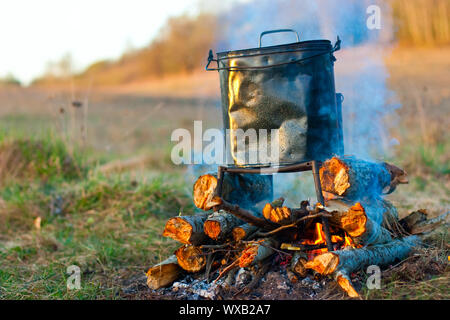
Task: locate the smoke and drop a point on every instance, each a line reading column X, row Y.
column 360, row 72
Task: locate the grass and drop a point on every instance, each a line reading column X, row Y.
column 424, row 275
column 109, row 226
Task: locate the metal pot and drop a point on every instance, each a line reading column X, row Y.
column 288, row 87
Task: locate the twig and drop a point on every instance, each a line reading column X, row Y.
column 274, row 249
column 209, row 263
column 228, row 268
column 261, row 272
column 214, row 246
column 293, row 225
column 245, row 215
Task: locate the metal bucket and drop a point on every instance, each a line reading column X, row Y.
column 287, row 87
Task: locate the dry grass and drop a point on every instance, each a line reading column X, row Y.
column 422, row 22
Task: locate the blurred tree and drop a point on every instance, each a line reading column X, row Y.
column 10, row 80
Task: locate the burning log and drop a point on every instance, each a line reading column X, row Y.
column 242, row 232
column 256, row 252
column 220, row 225
column 354, row 178
column 191, row 258
column 342, row 263
column 164, row 273
column 356, row 221
column 187, row 229
column 245, row 190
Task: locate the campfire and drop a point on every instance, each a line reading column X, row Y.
column 242, row 232
column 365, row 229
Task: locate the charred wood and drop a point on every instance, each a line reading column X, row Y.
column 257, row 252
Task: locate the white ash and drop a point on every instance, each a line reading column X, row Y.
column 198, row 288
column 243, row 277
column 313, row 284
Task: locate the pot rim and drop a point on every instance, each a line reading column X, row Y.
column 308, row 45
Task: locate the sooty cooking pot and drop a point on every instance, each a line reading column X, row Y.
column 288, row 87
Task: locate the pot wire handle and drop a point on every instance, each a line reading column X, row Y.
column 211, row 59
column 337, row 45
column 276, row 31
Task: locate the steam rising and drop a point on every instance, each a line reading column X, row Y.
column 360, row 73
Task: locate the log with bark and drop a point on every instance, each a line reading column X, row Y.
column 164, row 273
column 354, row 178
column 418, row 223
column 220, row 225
column 412, row 219
column 342, row 263
column 242, row 232
column 383, row 212
column 191, row 258
column 187, row 229
column 245, row 190
column 257, row 252
column 356, row 220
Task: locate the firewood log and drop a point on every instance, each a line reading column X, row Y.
column 204, row 195
column 191, row 258
column 383, row 212
column 354, row 178
column 267, row 210
column 164, row 273
column 412, row 219
column 298, row 262
column 256, row 252
column 244, row 190
column 220, row 225
column 187, row 229
column 277, row 213
column 342, row 263
column 377, row 209
column 242, row 232
column 356, row 221
column 426, row 226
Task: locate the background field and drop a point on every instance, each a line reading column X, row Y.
column 93, row 184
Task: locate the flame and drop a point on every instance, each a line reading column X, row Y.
column 319, row 238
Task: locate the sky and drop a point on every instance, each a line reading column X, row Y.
column 33, row 33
